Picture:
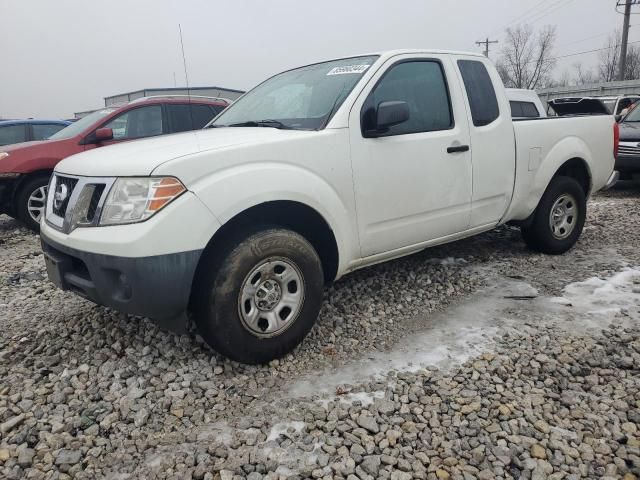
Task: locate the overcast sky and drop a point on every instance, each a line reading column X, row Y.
column 63, row 56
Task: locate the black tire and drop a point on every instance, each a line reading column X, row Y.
column 538, row 235
column 218, row 292
column 22, row 200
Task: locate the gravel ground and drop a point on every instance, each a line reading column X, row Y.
column 478, row 359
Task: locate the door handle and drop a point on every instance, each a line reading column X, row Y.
column 458, row 148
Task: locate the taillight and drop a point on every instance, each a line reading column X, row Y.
column 616, row 138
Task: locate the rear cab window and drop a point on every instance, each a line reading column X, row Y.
column 480, row 92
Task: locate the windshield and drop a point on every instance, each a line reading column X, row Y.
column 633, row 115
column 82, row 124
column 304, row 98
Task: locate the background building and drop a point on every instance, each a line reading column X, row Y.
column 227, row 93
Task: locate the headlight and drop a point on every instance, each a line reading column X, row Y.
column 133, row 200
column 3, row 155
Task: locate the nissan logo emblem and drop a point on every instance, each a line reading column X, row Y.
column 60, row 195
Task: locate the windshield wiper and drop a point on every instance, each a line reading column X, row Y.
column 262, row 123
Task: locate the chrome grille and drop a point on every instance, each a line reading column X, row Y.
column 76, row 201
column 629, row 148
column 62, row 194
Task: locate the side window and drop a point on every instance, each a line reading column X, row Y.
column 179, row 117
column 480, row 92
column 422, row 85
column 516, row 109
column 529, row 110
column 203, row 114
column 137, row 123
column 43, row 131
column 13, row 134
column 523, row 109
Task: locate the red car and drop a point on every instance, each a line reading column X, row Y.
column 25, row 168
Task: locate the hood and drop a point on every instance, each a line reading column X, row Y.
column 578, row 106
column 629, row 131
column 23, row 156
column 142, row 157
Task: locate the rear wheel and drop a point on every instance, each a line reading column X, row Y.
column 258, row 299
column 31, row 202
column 559, row 218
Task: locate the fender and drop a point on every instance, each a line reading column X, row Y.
column 532, row 183
column 263, row 182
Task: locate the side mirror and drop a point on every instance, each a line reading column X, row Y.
column 103, row 134
column 390, row 114
column 387, row 115
column 618, row 117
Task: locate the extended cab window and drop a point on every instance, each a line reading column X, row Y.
column 137, row 123
column 480, row 92
column 523, row 109
column 422, row 85
column 13, row 134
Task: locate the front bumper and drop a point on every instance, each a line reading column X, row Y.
column 157, row 287
column 7, row 191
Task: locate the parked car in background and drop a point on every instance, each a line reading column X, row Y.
column 525, row 103
column 316, row 172
column 25, row 169
column 597, row 105
column 18, row 131
column 628, row 158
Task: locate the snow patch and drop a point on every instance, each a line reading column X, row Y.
column 598, row 302
column 283, row 428
column 449, row 338
column 446, row 262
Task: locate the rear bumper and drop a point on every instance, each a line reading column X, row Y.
column 613, row 178
column 628, row 164
column 157, row 287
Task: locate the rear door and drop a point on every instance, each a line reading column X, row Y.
column 413, row 184
column 493, row 154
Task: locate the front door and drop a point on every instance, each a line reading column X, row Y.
column 413, row 183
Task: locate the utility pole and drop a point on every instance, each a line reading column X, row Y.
column 625, row 39
column 486, row 43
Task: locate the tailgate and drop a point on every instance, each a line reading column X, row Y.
column 578, row 106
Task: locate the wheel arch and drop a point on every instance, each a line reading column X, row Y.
column 293, row 215
column 576, row 168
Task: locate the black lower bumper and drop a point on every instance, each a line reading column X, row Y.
column 7, row 190
column 627, row 164
column 157, row 287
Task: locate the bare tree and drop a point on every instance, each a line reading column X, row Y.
column 525, row 60
column 633, row 63
column 608, row 58
column 583, row 76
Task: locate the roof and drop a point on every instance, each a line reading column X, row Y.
column 32, row 121
column 174, row 89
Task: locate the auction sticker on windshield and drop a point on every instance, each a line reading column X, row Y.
column 348, row 69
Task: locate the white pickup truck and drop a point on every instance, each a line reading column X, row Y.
column 316, row 172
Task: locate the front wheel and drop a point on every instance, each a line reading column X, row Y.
column 31, row 201
column 559, row 218
column 255, row 301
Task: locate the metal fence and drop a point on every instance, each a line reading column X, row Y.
column 603, row 88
